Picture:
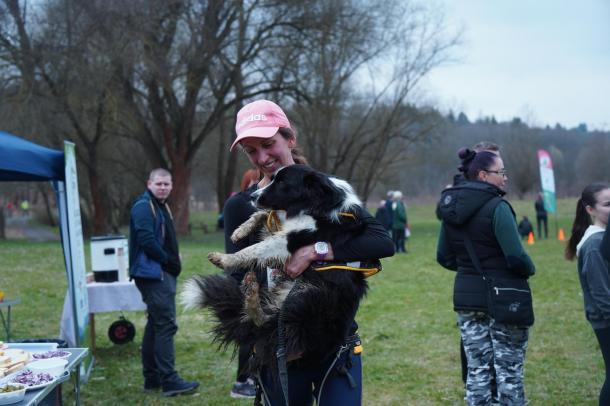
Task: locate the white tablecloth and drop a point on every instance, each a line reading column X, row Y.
column 103, row 297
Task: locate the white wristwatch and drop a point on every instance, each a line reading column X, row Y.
column 321, row 250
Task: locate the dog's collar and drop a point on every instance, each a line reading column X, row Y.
column 274, row 224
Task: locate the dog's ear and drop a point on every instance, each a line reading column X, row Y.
column 322, row 192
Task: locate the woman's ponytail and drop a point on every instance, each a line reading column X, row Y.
column 582, row 220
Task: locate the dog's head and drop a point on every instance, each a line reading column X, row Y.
column 299, row 188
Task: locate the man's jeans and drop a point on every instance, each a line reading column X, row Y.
column 158, row 340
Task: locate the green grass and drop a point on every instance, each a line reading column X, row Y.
column 406, row 322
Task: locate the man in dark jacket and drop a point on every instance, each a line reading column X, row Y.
column 541, row 217
column 154, row 265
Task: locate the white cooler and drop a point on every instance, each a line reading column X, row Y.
column 110, row 258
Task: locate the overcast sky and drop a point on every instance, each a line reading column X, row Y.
column 546, row 61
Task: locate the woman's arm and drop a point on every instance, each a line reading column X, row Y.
column 505, row 230
column 595, row 270
column 372, row 244
column 445, row 255
column 237, row 210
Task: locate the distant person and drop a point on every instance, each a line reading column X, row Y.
column 10, row 208
column 25, row 208
column 525, row 227
column 383, row 216
column 155, row 265
column 541, row 216
column 590, row 225
column 249, row 178
column 399, row 222
column 388, row 208
column 479, row 240
column 487, row 146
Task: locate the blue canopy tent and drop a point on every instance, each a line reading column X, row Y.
column 22, row 160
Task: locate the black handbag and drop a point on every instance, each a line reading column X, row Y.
column 509, row 300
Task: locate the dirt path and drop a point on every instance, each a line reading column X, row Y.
column 20, row 227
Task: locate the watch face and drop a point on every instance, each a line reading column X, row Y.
column 321, row 248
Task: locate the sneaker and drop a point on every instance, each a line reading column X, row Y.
column 180, row 387
column 244, row 390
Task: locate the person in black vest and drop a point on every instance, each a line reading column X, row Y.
column 474, row 211
column 541, row 217
column 480, row 146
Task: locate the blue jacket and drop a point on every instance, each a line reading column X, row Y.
column 152, row 239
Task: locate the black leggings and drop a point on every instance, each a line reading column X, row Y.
column 603, row 336
column 243, row 358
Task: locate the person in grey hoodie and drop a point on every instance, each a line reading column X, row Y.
column 592, row 210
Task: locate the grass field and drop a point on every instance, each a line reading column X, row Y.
column 406, row 322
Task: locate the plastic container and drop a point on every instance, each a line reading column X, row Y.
column 52, row 366
column 110, row 258
column 8, row 398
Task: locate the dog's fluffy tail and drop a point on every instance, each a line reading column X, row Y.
column 222, row 296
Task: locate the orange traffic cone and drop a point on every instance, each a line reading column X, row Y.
column 560, row 235
column 530, row 238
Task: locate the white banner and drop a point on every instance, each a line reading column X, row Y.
column 547, row 181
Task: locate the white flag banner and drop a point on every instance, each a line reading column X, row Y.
column 547, row 180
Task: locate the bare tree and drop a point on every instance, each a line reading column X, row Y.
column 54, row 52
column 362, row 134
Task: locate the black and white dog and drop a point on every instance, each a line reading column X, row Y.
column 317, row 308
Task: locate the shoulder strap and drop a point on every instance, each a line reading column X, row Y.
column 150, row 203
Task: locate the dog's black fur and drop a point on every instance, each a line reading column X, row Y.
column 319, row 310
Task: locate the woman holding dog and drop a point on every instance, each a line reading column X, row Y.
column 267, row 138
column 479, row 240
column 592, row 211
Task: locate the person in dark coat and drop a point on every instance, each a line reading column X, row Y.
column 525, row 227
column 383, row 216
column 541, row 217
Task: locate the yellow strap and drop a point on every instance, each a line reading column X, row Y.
column 273, row 222
column 358, row 349
column 348, row 215
column 366, row 271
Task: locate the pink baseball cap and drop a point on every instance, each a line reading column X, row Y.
column 259, row 119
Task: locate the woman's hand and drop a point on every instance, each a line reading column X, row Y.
column 302, row 258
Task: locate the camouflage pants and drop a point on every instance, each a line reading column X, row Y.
column 488, row 344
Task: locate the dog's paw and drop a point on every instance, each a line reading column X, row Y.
column 239, row 234
column 217, row 258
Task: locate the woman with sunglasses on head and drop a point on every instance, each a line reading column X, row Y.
column 590, row 222
column 267, row 138
column 479, row 240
